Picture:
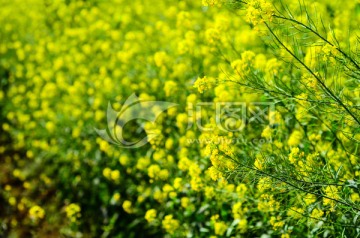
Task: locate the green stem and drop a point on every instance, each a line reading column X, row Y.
column 321, row 37
column 314, row 75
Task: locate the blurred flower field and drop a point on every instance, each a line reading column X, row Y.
column 261, row 138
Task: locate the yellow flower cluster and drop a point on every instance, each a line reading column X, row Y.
column 268, row 203
column 111, row 174
column 36, row 213
column 73, row 212
column 244, row 66
column 150, row 215
column 259, row 11
column 204, row 83
column 331, row 192
column 127, row 206
column 170, row 224
column 295, row 155
column 211, row 3
column 220, row 228
column 64, row 64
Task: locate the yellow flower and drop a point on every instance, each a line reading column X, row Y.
column 164, row 174
column 214, row 218
column 241, row 190
column 244, row 65
column 170, row 224
column 50, row 126
column 153, row 171
column 159, row 196
column 127, row 206
column 204, row 83
column 212, row 36
column 309, row 199
column 116, row 197
column 167, row 188
column 169, row 143
column 355, row 197
column 237, row 210
column 181, row 120
column 124, row 160
column 220, row 227
column 274, row 221
column 107, row 173
column 316, row 213
column 331, row 192
column 170, row 88
column 36, row 212
column 242, row 225
column 177, row 183
column 329, row 50
column 209, row 192
column 73, row 211
column 196, row 183
column 295, row 138
column 214, row 173
column 295, row 212
column 267, row 203
column 309, row 81
column 12, row 201
column 194, row 170
column 258, row 164
column 259, row 11
column 185, row 201
column 115, row 175
column 212, row 3
column 264, row 184
column 160, row 58
column 266, row 133
column 142, row 163
column 294, row 155
column 150, row 215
